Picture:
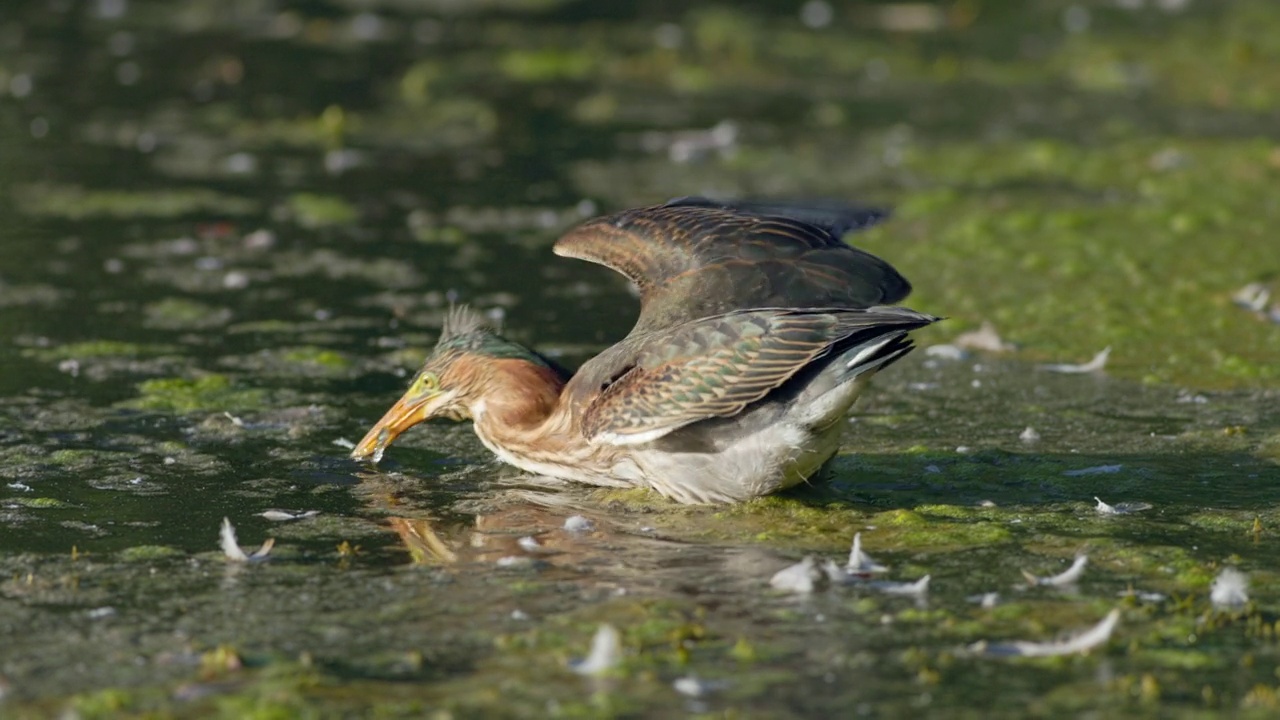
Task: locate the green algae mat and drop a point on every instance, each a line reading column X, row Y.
column 231, row 231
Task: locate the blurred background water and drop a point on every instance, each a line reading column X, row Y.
column 230, row 231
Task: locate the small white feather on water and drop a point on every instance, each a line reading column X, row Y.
column 836, row 574
column 1029, row 435
column 1124, row 508
column 282, row 515
column 985, row 338
column 1253, row 296
column 803, row 577
column 231, row 548
column 1143, row 595
column 606, row 652
column 1230, row 590
column 985, row 600
column 1082, row 642
column 913, row 589
column 694, row 687
column 1098, row 362
column 1067, row 577
column 946, row 352
column 859, row 562
column 812, row 575
column 578, row 523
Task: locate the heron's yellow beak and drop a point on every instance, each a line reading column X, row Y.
column 408, row 411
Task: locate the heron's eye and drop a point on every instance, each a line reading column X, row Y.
column 425, row 383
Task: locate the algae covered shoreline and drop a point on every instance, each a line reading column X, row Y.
column 231, row 232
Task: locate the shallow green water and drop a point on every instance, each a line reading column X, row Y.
column 231, row 229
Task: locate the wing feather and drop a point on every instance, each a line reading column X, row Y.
column 717, row 366
column 695, row 258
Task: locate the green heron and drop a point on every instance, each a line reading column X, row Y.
column 758, row 329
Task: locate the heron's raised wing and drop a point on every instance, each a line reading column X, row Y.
column 694, row 258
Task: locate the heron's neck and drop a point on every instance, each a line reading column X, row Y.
column 520, row 396
column 526, row 422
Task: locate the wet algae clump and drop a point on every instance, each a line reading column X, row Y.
column 317, row 211
column 76, row 203
column 205, row 393
column 94, row 349
column 1165, row 310
column 234, row 237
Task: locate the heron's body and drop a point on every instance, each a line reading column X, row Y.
column 757, row 332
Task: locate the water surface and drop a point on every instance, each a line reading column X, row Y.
column 231, row 231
